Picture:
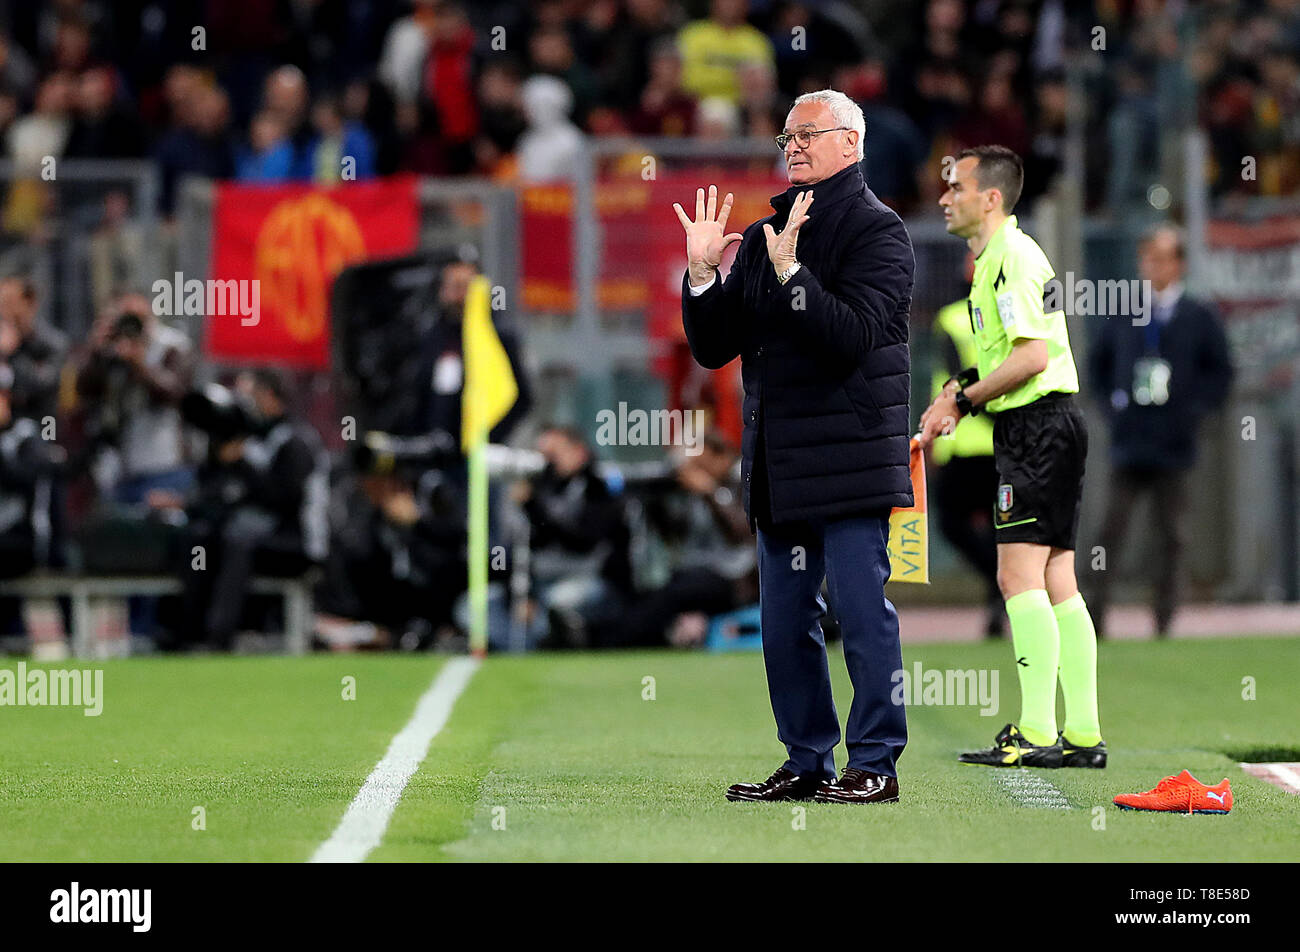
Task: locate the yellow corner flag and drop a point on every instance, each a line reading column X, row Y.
column 909, row 543
column 490, row 391
column 490, row 387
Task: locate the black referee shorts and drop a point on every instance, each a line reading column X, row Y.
column 1039, row 450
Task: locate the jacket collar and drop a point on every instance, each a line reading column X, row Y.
column 842, row 184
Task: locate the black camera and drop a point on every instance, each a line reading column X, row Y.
column 379, row 453
column 221, row 413
column 128, row 326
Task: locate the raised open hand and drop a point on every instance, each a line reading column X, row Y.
column 706, row 237
column 781, row 247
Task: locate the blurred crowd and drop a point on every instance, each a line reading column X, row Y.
column 325, row 90
column 124, row 455
column 275, row 90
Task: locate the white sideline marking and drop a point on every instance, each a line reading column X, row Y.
column 1284, row 776
column 367, row 816
column 1031, row 791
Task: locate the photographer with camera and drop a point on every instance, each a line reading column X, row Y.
column 32, row 354
column 262, row 500
column 398, row 555
column 699, row 515
column 31, row 351
column 132, row 380
column 28, row 465
column 581, row 573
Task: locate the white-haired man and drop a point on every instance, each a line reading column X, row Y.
column 816, row 306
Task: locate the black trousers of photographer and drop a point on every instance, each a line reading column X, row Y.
column 248, row 541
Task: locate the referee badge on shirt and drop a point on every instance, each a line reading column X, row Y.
column 1004, row 497
column 978, row 318
column 1007, row 309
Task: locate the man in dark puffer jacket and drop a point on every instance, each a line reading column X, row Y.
column 816, row 306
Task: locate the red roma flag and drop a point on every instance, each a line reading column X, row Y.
column 294, row 240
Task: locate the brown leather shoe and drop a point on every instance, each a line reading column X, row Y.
column 859, row 786
column 782, row 785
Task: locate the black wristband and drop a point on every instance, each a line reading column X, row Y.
column 964, row 405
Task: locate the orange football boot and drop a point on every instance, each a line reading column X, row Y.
column 1181, row 794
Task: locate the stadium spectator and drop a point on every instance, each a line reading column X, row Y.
column 102, row 128
column 270, row 155
column 897, row 147
column 72, row 47
column 664, row 108
column 1156, row 382
column 997, row 117
column 260, row 507
column 1277, row 111
column 717, row 119
column 17, row 73
column 501, row 119
column 198, row 142
column 369, row 103
column 33, row 142
column 117, row 251
column 1046, row 155
column 405, row 46
column 643, row 29
column 1133, row 124
column 287, row 99
column 343, row 149
column 713, row 50
column 9, row 111
column 449, row 87
column 550, row 53
column 937, row 96
column 550, row 146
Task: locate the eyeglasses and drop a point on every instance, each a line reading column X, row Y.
column 803, row 137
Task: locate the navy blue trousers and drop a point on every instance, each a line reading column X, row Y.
column 851, row 555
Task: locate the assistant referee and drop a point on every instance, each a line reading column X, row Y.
column 1025, row 377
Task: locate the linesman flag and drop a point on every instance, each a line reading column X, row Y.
column 490, row 386
column 909, row 542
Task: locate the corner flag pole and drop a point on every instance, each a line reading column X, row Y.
column 477, row 549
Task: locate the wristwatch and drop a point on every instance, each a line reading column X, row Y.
column 964, row 405
column 789, row 272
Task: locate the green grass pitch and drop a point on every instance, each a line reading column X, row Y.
column 563, row 752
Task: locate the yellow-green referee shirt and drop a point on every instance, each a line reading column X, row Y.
column 1006, row 305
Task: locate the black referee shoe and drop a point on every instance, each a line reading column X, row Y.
column 1072, row 755
column 1010, row 749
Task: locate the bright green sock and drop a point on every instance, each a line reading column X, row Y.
column 1037, row 644
column 1078, row 671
